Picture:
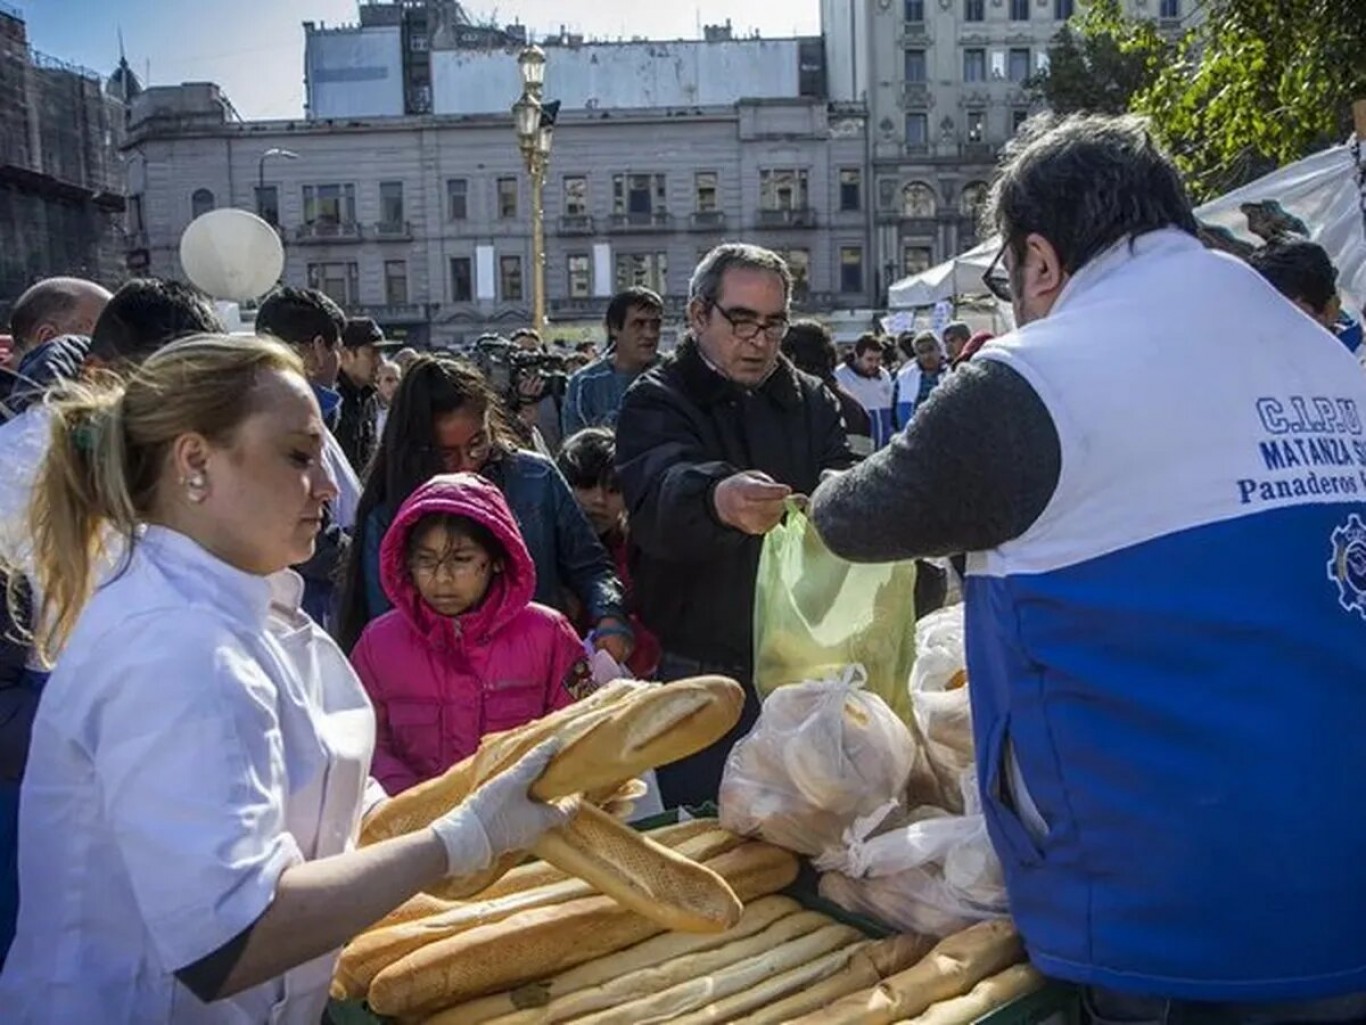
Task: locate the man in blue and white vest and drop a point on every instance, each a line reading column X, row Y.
column 1166, row 595
column 867, row 381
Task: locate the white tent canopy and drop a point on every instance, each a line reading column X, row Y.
column 1320, row 191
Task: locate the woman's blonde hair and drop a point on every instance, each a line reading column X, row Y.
column 111, row 438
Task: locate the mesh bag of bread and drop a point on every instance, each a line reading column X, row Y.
column 826, row 757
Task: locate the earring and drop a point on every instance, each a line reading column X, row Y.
column 197, row 486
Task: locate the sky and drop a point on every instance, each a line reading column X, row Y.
column 254, row 48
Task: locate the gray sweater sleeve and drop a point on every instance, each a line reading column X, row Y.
column 975, row 468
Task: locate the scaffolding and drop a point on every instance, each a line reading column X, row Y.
column 61, row 177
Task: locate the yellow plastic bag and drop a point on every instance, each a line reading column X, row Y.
column 814, row 614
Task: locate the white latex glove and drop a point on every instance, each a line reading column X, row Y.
column 500, row 816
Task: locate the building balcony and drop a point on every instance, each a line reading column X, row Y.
column 394, row 231
column 708, row 220
column 397, row 313
column 915, row 94
column 578, row 306
column 978, row 150
column 801, row 217
column 576, row 224
column 135, row 240
column 653, row 220
column 328, row 231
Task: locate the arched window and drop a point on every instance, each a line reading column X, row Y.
column 201, row 202
column 917, row 200
column 974, row 195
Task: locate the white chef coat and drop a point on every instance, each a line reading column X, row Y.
column 199, row 736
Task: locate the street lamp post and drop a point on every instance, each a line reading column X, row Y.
column 261, row 170
column 535, row 123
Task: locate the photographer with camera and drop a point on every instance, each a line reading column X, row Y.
column 537, row 390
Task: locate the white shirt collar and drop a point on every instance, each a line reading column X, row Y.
column 202, row 576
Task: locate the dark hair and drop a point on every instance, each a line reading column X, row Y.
column 407, row 457
column 625, row 301
column 1298, row 269
column 957, row 328
column 588, row 459
column 906, row 343
column 52, row 301
column 811, row 348
column 146, row 314
column 1085, row 182
column 296, row 316
column 705, row 286
column 456, row 526
column 868, row 342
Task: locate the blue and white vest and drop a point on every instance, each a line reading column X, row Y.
column 906, row 392
column 874, row 394
column 1169, row 667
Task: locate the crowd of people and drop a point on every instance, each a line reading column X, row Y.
column 260, row 584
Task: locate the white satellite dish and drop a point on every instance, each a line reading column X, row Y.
column 232, row 255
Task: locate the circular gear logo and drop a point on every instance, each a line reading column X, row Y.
column 1347, row 567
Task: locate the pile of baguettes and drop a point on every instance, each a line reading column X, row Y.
column 615, row 927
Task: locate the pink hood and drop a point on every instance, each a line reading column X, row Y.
column 510, row 592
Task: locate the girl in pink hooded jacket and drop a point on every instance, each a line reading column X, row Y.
column 464, row 651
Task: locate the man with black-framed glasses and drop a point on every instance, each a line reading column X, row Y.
column 1160, row 482
column 711, row 444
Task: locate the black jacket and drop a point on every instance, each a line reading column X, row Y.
column 683, row 429
column 357, row 424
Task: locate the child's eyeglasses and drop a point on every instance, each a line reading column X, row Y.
column 455, row 565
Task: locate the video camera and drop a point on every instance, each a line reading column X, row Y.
column 509, row 369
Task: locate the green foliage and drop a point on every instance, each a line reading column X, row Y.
column 1259, row 84
column 1100, row 60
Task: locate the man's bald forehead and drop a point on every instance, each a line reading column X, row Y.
column 54, row 301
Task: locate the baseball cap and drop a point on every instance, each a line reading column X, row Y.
column 364, row 331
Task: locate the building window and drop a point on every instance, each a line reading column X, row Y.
column 396, row 282
column 462, row 279
column 135, row 221
column 917, row 131
column 419, row 44
column 391, row 203
column 886, row 194
column 1170, row 9
column 268, row 204
column 851, row 189
column 507, row 198
column 970, row 202
column 915, row 10
column 201, row 203
column 977, row 125
column 917, row 200
column 974, row 10
column 783, row 189
column 647, row 270
column 851, row 269
column 915, row 258
column 638, row 195
column 706, row 190
column 915, row 65
column 510, row 278
column 1019, row 64
column 974, row 65
column 575, row 196
column 1018, row 117
column 799, row 263
column 998, row 65
column 1019, row 10
column 457, row 199
column 1063, row 9
column 339, row 281
column 329, row 204
column 580, row 276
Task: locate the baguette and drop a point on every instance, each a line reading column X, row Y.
column 606, row 742
column 539, row 873
column 775, row 987
column 373, row 951
column 599, row 983
column 642, row 875
column 954, row 966
column 420, row 806
column 539, row 943
column 730, row 976
column 987, row 996
column 866, row 967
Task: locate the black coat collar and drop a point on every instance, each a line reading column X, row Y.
column 706, row 387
